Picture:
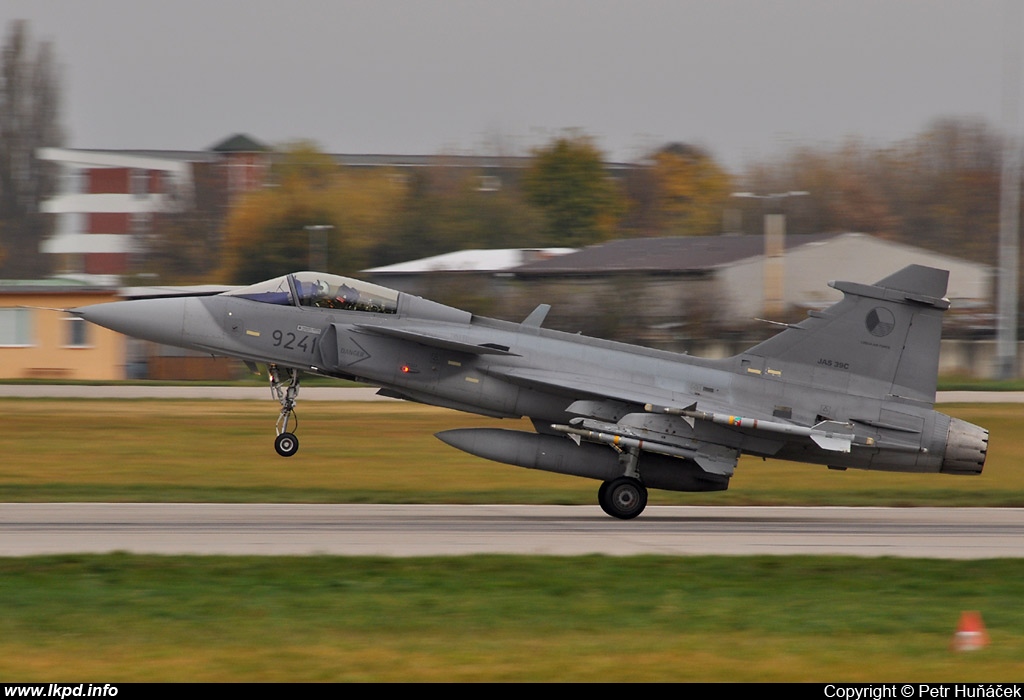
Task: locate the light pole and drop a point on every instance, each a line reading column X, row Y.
column 774, row 247
column 318, row 252
column 1007, row 291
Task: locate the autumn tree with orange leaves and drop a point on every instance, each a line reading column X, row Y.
column 265, row 231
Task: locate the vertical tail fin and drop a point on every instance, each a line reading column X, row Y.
column 881, row 339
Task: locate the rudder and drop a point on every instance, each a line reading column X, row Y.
column 884, row 336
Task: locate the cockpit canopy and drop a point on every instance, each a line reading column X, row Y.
column 322, row 290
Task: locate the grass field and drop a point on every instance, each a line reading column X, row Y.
column 150, row 450
column 121, row 618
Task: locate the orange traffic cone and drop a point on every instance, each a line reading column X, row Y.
column 970, row 634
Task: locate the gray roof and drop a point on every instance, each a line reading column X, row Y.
column 469, row 261
column 239, row 143
column 672, row 255
column 185, row 156
column 361, row 160
column 243, row 143
column 53, row 285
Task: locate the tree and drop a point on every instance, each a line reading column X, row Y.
column 679, row 191
column 265, row 233
column 948, row 189
column 567, row 180
column 847, row 190
column 938, row 189
column 29, row 120
column 446, row 209
column 184, row 244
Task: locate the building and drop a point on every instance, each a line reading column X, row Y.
column 667, row 291
column 731, row 271
column 417, row 276
column 38, row 341
column 680, row 294
column 109, row 201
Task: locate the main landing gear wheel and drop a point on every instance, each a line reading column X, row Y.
column 624, row 498
column 286, row 444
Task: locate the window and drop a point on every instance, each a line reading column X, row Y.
column 324, row 291
column 77, row 333
column 73, row 182
column 16, row 327
column 140, row 182
column 332, row 292
column 489, row 183
column 275, row 291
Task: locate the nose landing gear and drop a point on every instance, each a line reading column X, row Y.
column 286, row 394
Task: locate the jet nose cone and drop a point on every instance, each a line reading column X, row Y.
column 159, row 320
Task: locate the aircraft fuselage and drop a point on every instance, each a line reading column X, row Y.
column 669, row 420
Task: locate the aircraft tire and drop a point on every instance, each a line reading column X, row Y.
column 624, row 498
column 286, row 444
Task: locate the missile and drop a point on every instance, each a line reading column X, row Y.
column 828, row 435
column 715, row 459
column 623, row 442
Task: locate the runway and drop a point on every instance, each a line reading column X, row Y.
column 423, row 530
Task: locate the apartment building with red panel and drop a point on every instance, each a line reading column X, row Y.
column 109, row 201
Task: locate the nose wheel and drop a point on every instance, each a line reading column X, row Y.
column 286, row 444
column 286, row 393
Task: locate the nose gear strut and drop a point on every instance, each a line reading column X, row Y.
column 286, row 394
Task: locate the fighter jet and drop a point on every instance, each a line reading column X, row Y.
column 849, row 387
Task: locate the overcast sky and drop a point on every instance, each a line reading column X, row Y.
column 743, row 78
